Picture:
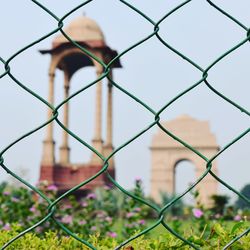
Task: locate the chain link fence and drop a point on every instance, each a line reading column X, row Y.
column 156, row 118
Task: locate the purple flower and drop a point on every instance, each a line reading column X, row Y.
column 197, row 212
column 67, row 206
column 137, row 209
column 67, row 219
column 141, row 222
column 39, row 229
column 101, row 214
column 112, row 234
column 6, row 227
column 32, row 209
column 6, row 193
column 52, row 188
column 14, row 199
column 91, row 196
column 108, row 219
column 82, row 222
column 84, row 204
column 237, row 217
column 130, row 214
column 93, row 228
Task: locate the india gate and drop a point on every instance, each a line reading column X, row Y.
column 165, row 152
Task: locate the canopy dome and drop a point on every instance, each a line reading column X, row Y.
column 87, row 33
column 82, row 29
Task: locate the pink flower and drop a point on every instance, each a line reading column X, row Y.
column 82, row 222
column 217, row 216
column 6, row 227
column 197, row 212
column 32, row 209
column 101, row 214
column 106, row 187
column 141, row 222
column 84, row 204
column 237, row 217
column 112, row 234
column 67, row 206
column 52, row 188
column 93, row 228
column 137, row 209
column 108, row 219
column 6, row 193
column 130, row 214
column 39, row 229
column 14, row 199
column 67, row 219
column 91, row 196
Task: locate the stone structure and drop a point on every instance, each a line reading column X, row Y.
column 167, row 153
column 68, row 58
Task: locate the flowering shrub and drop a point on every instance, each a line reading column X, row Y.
column 135, row 212
column 89, row 215
column 105, row 212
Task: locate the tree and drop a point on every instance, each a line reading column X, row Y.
column 219, row 203
column 240, row 203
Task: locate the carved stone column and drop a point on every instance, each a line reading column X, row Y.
column 109, row 134
column 97, row 142
column 64, row 149
column 48, row 156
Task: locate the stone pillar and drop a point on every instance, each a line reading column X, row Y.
column 48, row 156
column 207, row 187
column 109, row 134
column 162, row 174
column 64, row 149
column 97, row 142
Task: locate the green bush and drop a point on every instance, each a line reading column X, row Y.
column 219, row 236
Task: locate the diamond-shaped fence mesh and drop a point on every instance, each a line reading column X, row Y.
column 156, row 118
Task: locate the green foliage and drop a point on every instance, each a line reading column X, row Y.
column 240, row 203
column 217, row 238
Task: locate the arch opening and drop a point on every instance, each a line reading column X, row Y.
column 184, row 176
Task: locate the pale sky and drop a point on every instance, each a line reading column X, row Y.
column 151, row 72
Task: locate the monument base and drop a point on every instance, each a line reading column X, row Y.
column 65, row 177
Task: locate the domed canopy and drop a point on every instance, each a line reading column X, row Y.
column 87, row 33
column 82, row 29
column 195, row 132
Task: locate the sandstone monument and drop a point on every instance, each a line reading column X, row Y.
column 167, row 153
column 68, row 58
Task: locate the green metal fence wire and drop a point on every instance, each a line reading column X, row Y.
column 156, row 119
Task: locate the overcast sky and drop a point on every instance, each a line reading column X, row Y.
column 151, row 72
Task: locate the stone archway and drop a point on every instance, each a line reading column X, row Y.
column 166, row 153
